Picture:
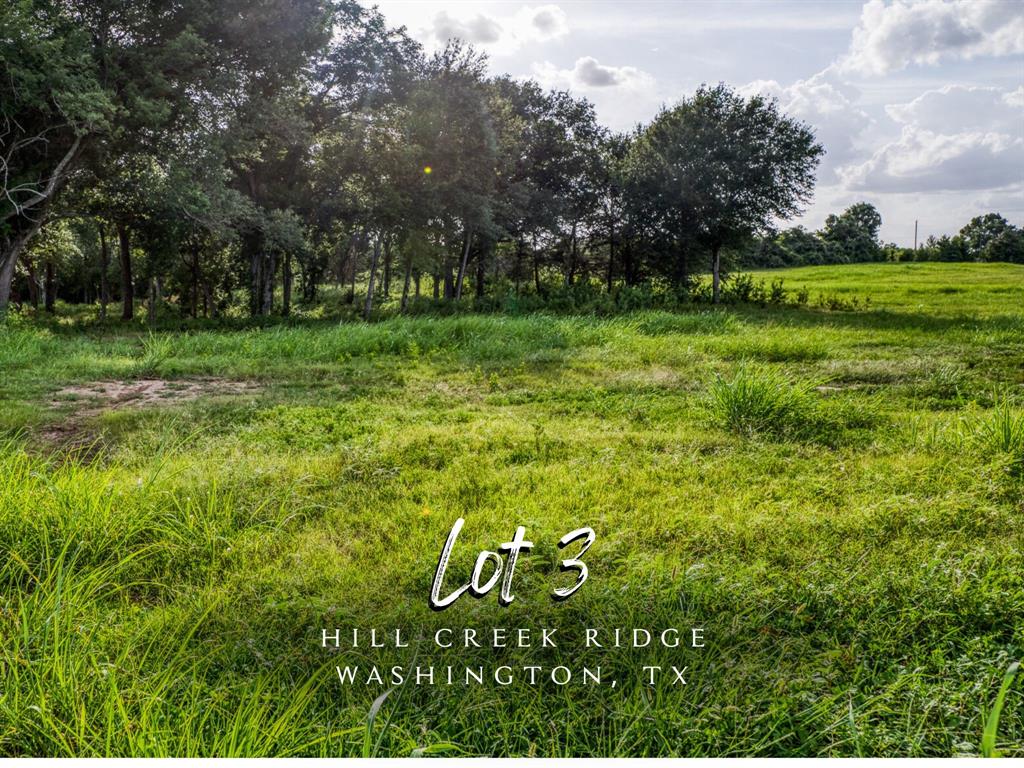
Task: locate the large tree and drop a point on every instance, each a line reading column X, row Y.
column 722, row 167
column 852, row 236
column 980, row 231
column 51, row 101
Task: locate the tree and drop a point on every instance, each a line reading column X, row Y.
column 980, row 232
column 853, row 234
column 454, row 130
column 1008, row 245
column 944, row 248
column 723, row 168
column 51, row 100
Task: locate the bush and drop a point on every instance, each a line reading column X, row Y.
column 836, row 303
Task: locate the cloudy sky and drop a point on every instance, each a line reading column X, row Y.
column 920, row 105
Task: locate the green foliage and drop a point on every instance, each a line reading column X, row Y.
column 715, row 140
column 853, row 235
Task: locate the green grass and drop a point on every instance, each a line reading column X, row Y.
column 935, row 289
column 853, row 549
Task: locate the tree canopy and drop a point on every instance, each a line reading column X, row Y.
column 209, row 154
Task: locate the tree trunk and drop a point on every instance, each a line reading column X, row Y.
column 437, row 286
column 716, row 265
column 151, row 302
column 352, row 269
column 519, row 263
column 127, row 288
column 7, row 275
column 209, row 307
column 570, row 275
column 270, row 265
column 466, row 242
column 49, row 287
column 417, row 276
column 104, row 266
column 449, row 279
column 368, row 307
column 405, row 285
column 611, row 252
column 34, row 284
column 309, row 281
column 286, row 290
column 481, row 269
column 536, row 270
column 33, row 211
column 386, row 283
column 9, row 258
column 194, row 270
column 255, row 284
column 252, row 247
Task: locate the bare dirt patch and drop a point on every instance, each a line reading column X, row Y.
column 99, row 396
column 95, row 398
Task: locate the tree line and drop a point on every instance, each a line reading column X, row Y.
column 853, row 236
column 206, row 150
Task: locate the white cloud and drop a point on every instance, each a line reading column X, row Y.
column 617, row 93
column 588, row 73
column 959, row 108
column 924, row 161
column 505, row 35
column 478, row 29
column 541, row 23
column 829, row 106
column 891, row 37
column 953, row 138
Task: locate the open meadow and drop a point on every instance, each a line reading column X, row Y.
column 835, row 497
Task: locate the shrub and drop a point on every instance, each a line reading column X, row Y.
column 835, row 303
column 741, row 287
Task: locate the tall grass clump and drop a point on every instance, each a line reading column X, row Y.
column 760, row 400
column 1001, row 433
column 156, row 350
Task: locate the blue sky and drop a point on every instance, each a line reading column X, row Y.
column 920, row 105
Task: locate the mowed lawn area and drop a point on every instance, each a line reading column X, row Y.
column 834, row 497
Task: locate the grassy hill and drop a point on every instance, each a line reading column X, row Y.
column 834, row 497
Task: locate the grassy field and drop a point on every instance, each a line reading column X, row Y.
column 835, row 497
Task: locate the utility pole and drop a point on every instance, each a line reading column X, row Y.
column 915, row 234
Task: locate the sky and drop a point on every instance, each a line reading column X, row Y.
column 919, row 104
